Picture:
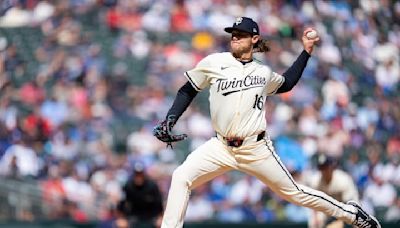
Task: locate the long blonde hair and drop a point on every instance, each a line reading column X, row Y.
column 261, row 46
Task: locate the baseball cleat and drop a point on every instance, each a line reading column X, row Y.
column 363, row 219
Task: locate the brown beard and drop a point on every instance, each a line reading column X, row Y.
column 235, row 54
column 239, row 52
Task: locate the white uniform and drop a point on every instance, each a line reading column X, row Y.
column 341, row 187
column 235, row 90
column 237, row 95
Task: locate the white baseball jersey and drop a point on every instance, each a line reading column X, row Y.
column 237, row 92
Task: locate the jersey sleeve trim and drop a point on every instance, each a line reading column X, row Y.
column 192, row 82
column 276, row 89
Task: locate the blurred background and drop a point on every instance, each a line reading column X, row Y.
column 83, row 82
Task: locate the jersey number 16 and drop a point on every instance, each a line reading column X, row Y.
column 258, row 102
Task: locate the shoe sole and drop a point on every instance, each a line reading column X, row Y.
column 355, row 204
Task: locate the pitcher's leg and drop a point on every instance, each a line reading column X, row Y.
column 202, row 165
column 273, row 173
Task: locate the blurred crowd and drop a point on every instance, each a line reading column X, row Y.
column 60, row 101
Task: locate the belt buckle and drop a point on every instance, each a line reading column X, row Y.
column 235, row 142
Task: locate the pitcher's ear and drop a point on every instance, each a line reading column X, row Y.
column 255, row 38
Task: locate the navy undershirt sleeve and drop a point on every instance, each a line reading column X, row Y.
column 182, row 100
column 293, row 74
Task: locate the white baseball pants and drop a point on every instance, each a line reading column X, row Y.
column 258, row 159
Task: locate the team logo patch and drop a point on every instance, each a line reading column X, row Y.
column 238, row 20
column 254, row 30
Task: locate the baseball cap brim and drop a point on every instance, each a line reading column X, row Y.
column 231, row 29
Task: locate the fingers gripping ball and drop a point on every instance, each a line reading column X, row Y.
column 163, row 131
column 312, row 34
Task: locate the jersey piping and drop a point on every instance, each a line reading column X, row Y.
column 192, row 82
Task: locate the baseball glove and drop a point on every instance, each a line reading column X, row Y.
column 163, row 131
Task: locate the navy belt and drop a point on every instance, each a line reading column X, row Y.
column 237, row 142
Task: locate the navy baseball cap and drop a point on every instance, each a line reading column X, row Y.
column 244, row 24
column 325, row 160
column 138, row 168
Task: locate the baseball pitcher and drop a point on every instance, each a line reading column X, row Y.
column 239, row 86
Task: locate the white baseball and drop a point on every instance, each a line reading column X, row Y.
column 311, row 34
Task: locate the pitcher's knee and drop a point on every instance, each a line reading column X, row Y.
column 180, row 177
column 295, row 196
column 303, row 198
column 300, row 198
